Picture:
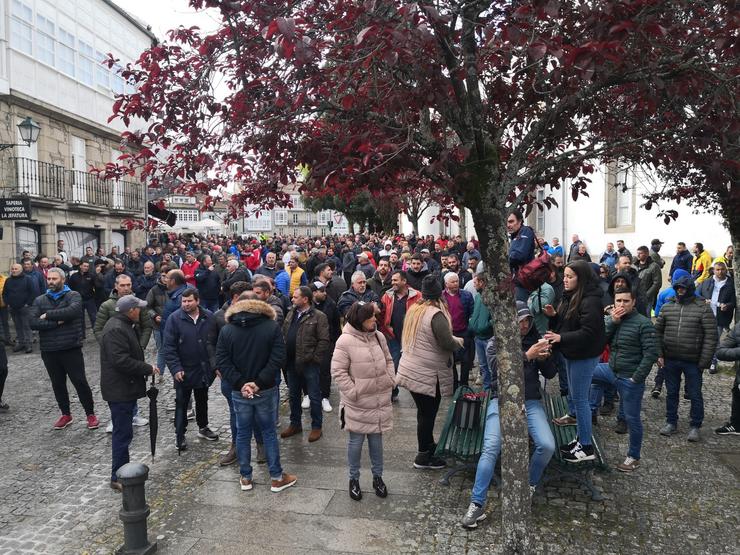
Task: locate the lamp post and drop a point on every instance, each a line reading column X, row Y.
column 29, row 134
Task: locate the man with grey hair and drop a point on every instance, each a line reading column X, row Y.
column 19, row 292
column 364, row 265
column 57, row 315
column 460, row 304
column 233, row 274
column 358, row 291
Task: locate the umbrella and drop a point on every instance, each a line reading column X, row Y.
column 152, row 393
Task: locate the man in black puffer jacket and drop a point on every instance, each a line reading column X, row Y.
column 57, row 315
column 729, row 349
column 687, row 334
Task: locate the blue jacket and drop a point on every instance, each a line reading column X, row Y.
column 610, row 259
column 668, row 292
column 681, row 262
column 144, row 283
column 556, row 251
column 208, row 283
column 38, row 281
column 185, row 347
column 282, row 282
column 521, row 249
column 172, row 304
column 19, row 291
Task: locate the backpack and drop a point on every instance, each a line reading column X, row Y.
column 535, row 272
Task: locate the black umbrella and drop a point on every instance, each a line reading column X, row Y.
column 153, row 417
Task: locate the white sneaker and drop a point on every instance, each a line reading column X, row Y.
column 109, row 428
column 139, row 421
column 326, row 405
column 190, row 415
column 306, row 403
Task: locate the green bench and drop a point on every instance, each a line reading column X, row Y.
column 555, row 407
column 462, row 445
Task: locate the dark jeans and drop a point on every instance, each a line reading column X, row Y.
column 3, row 370
column 464, row 357
column 226, row 391
column 735, row 414
column 63, row 364
column 693, row 375
column 91, row 308
column 426, row 414
column 310, row 376
column 22, row 326
column 4, row 322
column 121, row 414
column 562, row 373
column 325, row 373
column 394, row 346
column 182, row 398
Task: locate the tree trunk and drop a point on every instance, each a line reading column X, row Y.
column 733, row 225
column 463, row 224
column 490, row 223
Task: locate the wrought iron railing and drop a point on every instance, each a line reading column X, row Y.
column 36, row 179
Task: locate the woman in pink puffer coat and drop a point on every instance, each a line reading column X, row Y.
column 363, row 370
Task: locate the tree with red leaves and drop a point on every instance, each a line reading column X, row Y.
column 484, row 102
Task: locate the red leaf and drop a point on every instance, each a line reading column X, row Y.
column 362, row 34
column 286, row 26
column 348, row 101
column 552, row 8
column 621, row 26
column 537, row 50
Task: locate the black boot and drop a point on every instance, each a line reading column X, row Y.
column 354, row 489
column 379, row 487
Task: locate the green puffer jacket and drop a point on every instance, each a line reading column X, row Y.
column 687, row 330
column 108, row 309
column 633, row 346
column 480, row 322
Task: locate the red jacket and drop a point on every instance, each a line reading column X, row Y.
column 387, row 301
column 252, row 261
column 189, row 271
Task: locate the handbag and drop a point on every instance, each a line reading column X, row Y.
column 467, row 410
column 535, row 272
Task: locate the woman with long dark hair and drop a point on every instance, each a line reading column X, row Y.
column 578, row 333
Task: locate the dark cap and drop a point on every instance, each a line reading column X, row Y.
column 431, row 289
column 127, row 302
column 656, row 242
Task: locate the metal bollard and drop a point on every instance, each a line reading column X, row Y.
column 135, row 510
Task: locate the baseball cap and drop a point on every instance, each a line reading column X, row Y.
column 317, row 286
column 425, row 251
column 656, row 242
column 127, row 302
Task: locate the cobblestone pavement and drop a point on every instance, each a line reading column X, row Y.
column 54, row 494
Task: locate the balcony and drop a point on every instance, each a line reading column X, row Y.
column 49, row 183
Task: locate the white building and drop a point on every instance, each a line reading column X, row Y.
column 609, row 214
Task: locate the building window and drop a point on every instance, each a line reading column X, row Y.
column 323, row 217
column 620, row 198
column 308, row 218
column 23, row 11
column 45, row 48
column 86, row 66
column 281, row 217
column 540, row 213
column 295, row 218
column 27, row 238
column 21, row 37
column 117, row 84
column 186, row 215
column 66, row 55
column 297, row 202
column 181, row 200
column 102, row 75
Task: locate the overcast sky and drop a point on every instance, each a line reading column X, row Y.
column 164, row 15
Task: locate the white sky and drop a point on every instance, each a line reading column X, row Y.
column 164, row 15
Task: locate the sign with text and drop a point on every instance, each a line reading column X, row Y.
column 341, row 226
column 15, row 209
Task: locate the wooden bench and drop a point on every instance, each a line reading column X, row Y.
column 462, row 445
column 555, row 407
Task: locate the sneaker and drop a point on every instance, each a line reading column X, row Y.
column 228, row 458
column 326, row 405
column 607, row 408
column 655, row 393
column 379, row 486
column 207, row 433
column 29, row 350
column 245, row 484
column 693, row 436
column 190, row 415
column 306, row 403
column 109, row 428
column 580, row 453
column 668, row 430
column 425, row 461
column 629, row 465
column 565, row 420
column 473, row 516
column 261, row 456
column 92, row 422
column 18, row 348
column 139, row 421
column 727, row 430
column 564, row 449
column 182, row 445
column 354, row 489
column 315, row 435
column 285, row 481
column 621, row 427
column 62, row 422
column 291, row 431
column 713, row 367
column 4, row 407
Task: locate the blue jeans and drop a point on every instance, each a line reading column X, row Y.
column 226, row 391
column 354, row 453
column 464, row 356
column 630, row 404
column 539, row 430
column 311, row 379
column 394, row 346
column 121, row 414
column 580, row 373
column 673, row 369
column 258, row 412
column 158, row 340
column 480, row 352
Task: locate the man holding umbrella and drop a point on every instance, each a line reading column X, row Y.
column 123, row 374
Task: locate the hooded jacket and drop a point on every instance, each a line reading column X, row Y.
column 634, row 283
column 687, row 329
column 363, row 370
column 582, row 335
column 668, row 292
column 250, row 347
column 350, row 297
column 378, row 284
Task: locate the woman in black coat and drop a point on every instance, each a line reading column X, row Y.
column 578, row 332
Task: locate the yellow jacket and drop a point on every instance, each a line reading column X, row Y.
column 700, row 266
column 2, row 286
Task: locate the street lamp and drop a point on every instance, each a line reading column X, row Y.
column 29, row 133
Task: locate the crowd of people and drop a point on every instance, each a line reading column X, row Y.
column 372, row 314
